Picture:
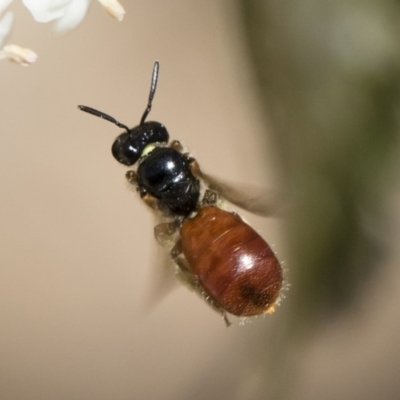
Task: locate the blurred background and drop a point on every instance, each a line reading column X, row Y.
column 298, row 97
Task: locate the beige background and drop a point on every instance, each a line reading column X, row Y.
column 77, row 251
column 76, row 244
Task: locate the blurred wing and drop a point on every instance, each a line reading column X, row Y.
column 259, row 201
column 162, row 279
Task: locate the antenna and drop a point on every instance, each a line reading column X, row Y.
column 154, row 79
column 105, row 116
column 100, row 114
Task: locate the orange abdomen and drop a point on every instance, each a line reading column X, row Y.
column 234, row 264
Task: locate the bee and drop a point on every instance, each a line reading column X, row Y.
column 216, row 253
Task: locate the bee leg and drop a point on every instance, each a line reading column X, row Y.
column 164, row 231
column 192, row 281
column 226, row 319
column 131, row 177
column 179, row 259
column 176, row 145
column 194, row 167
column 151, row 201
column 184, row 273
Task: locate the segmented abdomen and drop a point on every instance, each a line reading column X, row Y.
column 234, row 264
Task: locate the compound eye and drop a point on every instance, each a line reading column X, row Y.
column 155, row 132
column 125, row 149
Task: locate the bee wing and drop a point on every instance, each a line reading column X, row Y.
column 259, row 201
column 162, row 280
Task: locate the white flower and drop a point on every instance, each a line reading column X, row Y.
column 4, row 4
column 113, row 8
column 5, row 26
column 68, row 14
column 15, row 53
column 18, row 54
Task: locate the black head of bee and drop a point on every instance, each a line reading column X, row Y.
column 129, row 146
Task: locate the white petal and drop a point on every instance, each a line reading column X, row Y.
column 4, row 4
column 46, row 10
column 73, row 16
column 18, row 54
column 5, row 26
column 113, row 8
